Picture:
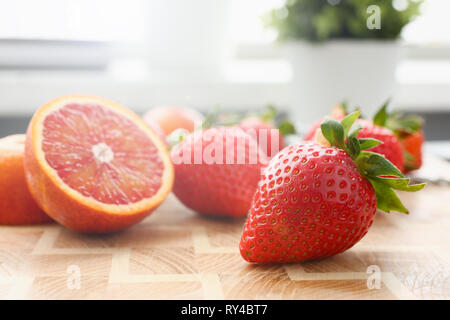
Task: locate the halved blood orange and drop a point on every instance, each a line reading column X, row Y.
column 95, row 166
column 16, row 204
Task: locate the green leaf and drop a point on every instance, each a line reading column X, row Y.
column 348, row 121
column 400, row 184
column 358, row 108
column 269, row 113
column 211, row 118
column 402, row 125
column 387, row 199
column 344, row 106
column 229, row 119
column 367, row 143
column 408, row 156
column 286, row 128
column 411, row 123
column 374, row 165
column 411, row 166
column 354, row 131
column 396, row 121
column 353, row 147
column 382, row 115
column 333, row 131
column 176, row 136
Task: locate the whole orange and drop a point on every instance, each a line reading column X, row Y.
column 17, row 207
column 170, row 118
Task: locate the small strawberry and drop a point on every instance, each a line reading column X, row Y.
column 409, row 131
column 217, row 171
column 412, row 146
column 316, row 201
column 391, row 148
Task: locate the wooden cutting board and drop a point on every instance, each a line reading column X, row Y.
column 176, row 254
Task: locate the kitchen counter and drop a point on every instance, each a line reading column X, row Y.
column 176, row 254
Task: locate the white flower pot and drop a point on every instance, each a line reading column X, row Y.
column 359, row 71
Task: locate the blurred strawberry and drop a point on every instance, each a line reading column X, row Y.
column 391, row 147
column 217, row 171
column 412, row 144
column 409, row 131
column 169, row 118
column 267, row 126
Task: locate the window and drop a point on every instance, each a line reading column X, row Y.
column 143, row 21
column 159, row 44
column 87, row 20
column 432, row 27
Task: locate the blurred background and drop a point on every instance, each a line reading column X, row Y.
column 302, row 56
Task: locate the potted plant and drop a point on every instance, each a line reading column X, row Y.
column 341, row 49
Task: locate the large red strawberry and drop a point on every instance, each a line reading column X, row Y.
column 391, row 147
column 217, row 171
column 409, row 131
column 316, row 201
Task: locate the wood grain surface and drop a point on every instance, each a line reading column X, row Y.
column 176, row 254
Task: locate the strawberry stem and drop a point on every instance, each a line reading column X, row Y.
column 399, row 123
column 381, row 116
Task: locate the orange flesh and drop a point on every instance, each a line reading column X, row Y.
column 101, row 154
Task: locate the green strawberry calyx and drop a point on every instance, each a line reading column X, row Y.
column 402, row 125
column 271, row 114
column 176, row 137
column 381, row 173
column 211, row 120
column 268, row 114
